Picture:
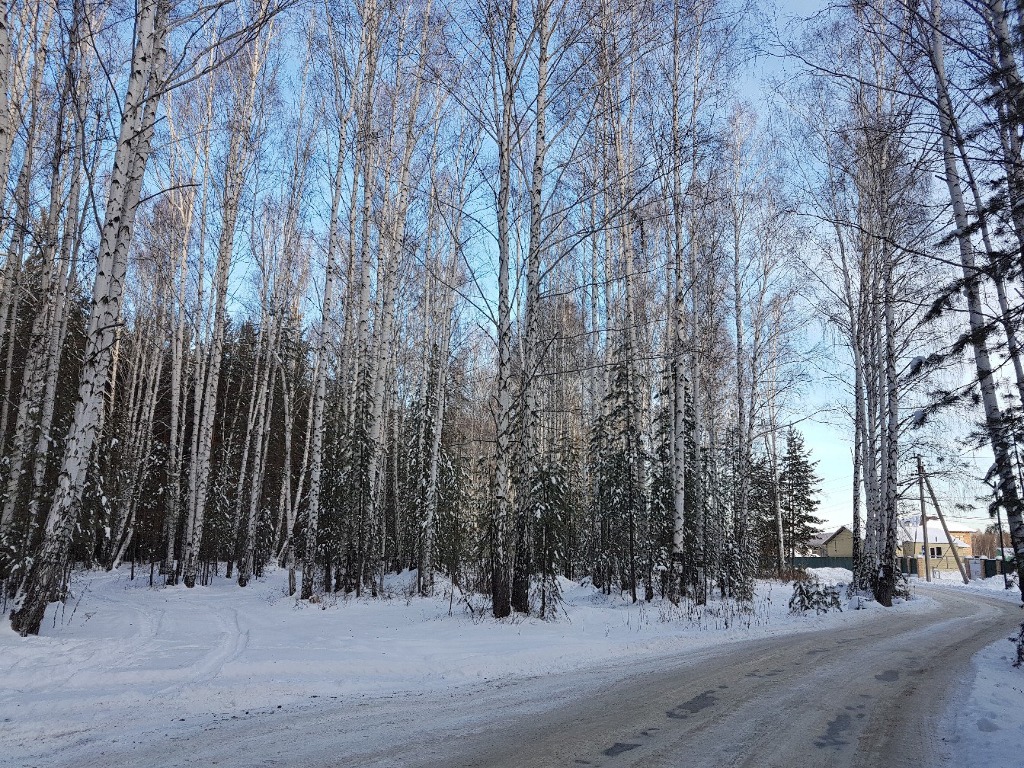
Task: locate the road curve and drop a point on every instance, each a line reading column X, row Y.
column 867, row 695
column 871, row 695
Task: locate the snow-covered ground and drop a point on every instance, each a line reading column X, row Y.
column 992, row 586
column 841, row 576
column 120, row 658
column 984, row 724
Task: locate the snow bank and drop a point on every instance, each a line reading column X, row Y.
column 121, row 658
column 985, row 721
column 985, row 718
column 993, row 586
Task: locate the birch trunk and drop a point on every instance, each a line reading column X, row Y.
column 426, row 572
column 1008, row 491
column 887, row 572
column 530, row 442
column 259, row 436
column 132, row 154
column 139, row 439
column 501, row 596
column 388, row 265
column 234, row 180
column 185, row 208
column 319, row 403
column 678, row 318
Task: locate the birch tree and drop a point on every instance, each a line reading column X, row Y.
column 246, row 71
column 1008, row 493
column 151, row 73
column 148, row 59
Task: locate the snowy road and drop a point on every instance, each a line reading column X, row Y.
column 871, row 694
column 867, row 696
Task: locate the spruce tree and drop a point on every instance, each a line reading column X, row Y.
column 762, row 513
column 799, row 486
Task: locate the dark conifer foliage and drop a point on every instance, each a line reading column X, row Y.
column 798, row 491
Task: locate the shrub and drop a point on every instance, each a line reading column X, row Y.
column 811, row 594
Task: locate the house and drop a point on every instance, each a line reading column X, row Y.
column 940, row 549
column 836, row 544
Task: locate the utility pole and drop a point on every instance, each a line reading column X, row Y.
column 942, row 519
column 924, row 522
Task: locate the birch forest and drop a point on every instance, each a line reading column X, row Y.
column 497, row 291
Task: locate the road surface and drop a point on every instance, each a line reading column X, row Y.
column 869, row 695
